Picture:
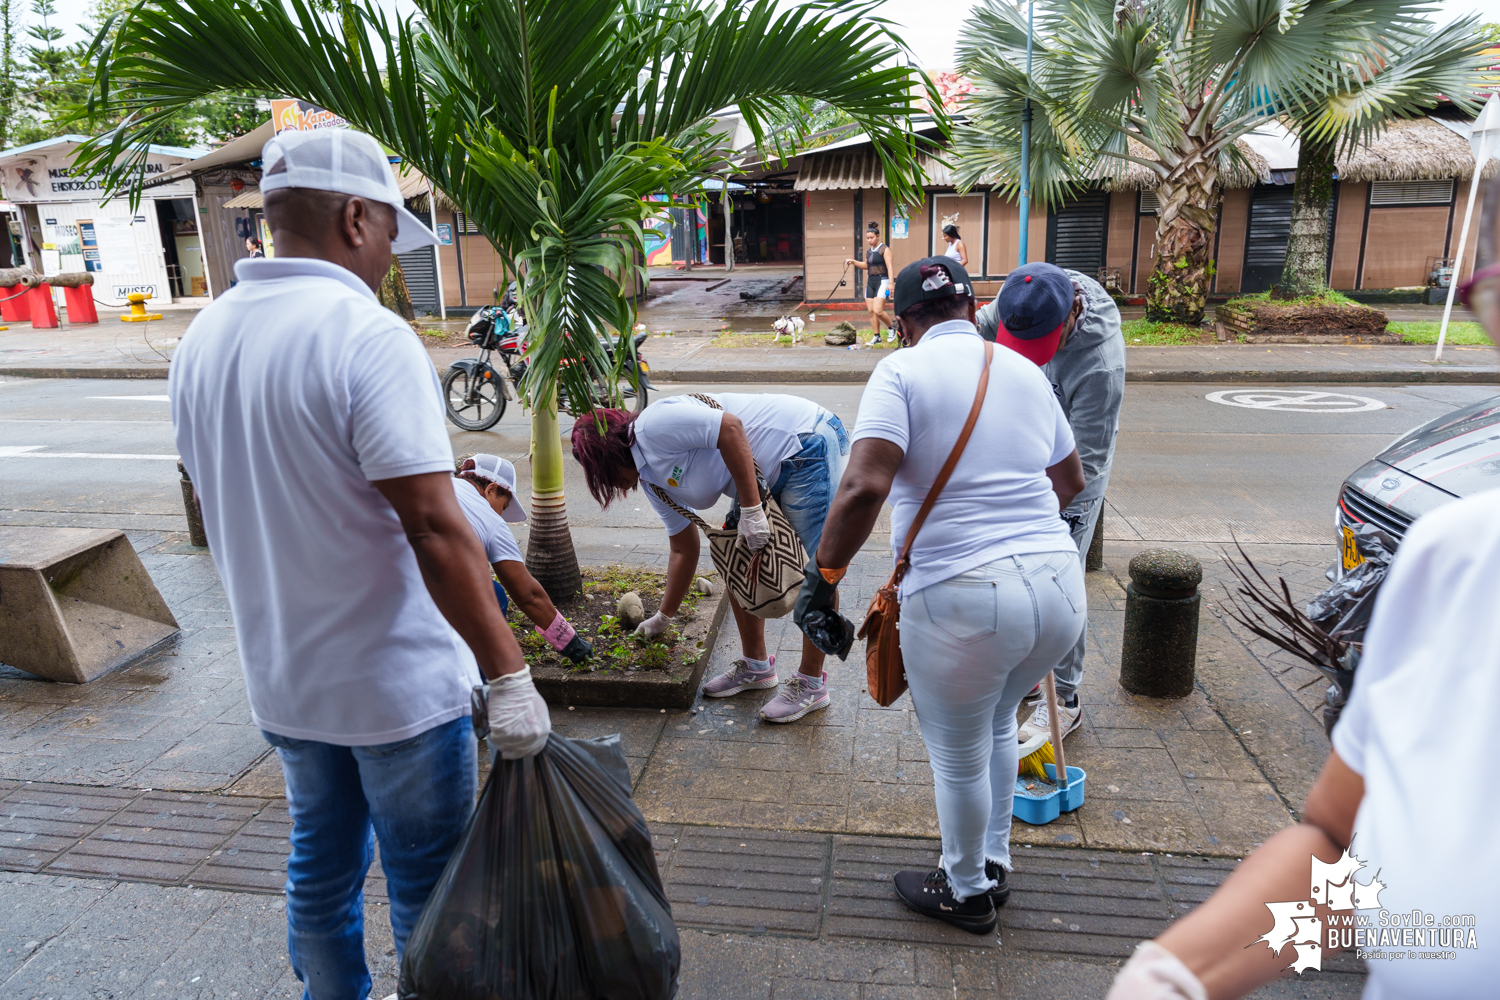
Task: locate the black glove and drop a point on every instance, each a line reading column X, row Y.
column 818, row 618
column 578, row 650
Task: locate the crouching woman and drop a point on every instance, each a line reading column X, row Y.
column 696, row 449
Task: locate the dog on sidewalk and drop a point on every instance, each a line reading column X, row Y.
column 789, row 326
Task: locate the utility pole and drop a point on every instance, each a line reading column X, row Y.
column 1026, row 142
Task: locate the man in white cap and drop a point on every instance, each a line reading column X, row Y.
column 310, row 420
column 490, row 505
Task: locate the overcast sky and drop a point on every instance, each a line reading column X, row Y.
column 929, row 26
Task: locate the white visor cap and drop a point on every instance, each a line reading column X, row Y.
column 342, row 160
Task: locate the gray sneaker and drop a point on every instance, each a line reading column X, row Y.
column 739, row 677
column 795, row 700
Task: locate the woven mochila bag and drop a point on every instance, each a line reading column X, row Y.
column 764, row 583
column 885, row 671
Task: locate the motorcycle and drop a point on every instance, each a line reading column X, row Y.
column 475, row 392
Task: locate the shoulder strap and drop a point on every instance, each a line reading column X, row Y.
column 690, row 515
column 704, row 397
column 947, row 470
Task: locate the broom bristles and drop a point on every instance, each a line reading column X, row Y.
column 1031, row 764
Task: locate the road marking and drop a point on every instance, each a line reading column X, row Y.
column 149, row 399
column 35, row 451
column 1295, row 400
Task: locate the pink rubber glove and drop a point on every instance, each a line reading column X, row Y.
column 559, row 633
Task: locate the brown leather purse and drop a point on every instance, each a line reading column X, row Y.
column 884, row 668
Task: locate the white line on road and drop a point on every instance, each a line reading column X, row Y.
column 1295, row 400
column 149, row 399
column 35, row 451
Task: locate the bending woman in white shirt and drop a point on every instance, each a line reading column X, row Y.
column 486, row 485
column 696, row 453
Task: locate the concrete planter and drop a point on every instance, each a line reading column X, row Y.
column 1261, row 322
column 674, row 687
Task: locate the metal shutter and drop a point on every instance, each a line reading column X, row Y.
column 1265, row 243
column 1411, row 192
column 420, row 266
column 1076, row 232
column 1150, row 204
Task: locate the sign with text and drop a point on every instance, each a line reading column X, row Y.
column 301, row 116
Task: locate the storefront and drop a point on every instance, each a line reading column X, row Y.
column 61, row 224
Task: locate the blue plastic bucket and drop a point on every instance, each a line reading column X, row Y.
column 1044, row 803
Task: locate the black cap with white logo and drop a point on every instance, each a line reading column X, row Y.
column 930, row 278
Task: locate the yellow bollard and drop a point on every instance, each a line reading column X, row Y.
column 138, row 313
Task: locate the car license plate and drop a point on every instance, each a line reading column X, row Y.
column 1352, row 558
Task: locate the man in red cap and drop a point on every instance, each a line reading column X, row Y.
column 1067, row 323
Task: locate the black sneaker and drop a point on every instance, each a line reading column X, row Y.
column 1001, row 892
column 930, row 894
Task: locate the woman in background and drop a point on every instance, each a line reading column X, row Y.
column 878, row 266
column 956, row 249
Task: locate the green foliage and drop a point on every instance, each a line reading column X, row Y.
column 1327, row 297
column 545, row 121
column 1146, row 333
column 1426, row 332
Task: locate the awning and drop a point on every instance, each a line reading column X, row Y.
column 412, row 182
column 246, row 147
column 847, row 169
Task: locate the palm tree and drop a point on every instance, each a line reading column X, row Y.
column 1168, row 84
column 546, row 121
column 1403, row 80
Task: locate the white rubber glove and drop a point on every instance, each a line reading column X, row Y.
column 754, row 528
column 654, row 626
column 519, row 722
column 1154, row 973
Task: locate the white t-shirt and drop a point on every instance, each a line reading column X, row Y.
column 999, row 501
column 1420, row 729
column 291, row 394
column 494, row 534
column 677, row 446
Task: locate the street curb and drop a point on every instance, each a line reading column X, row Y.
column 90, row 372
column 813, row 376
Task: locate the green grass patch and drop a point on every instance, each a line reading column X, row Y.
column 1329, row 297
column 1146, row 333
column 1426, row 332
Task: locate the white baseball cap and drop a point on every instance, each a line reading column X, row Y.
column 498, row 470
column 337, row 159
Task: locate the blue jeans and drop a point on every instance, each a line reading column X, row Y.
column 502, row 597
column 973, row 645
column 1083, row 520
column 415, row 795
column 805, row 485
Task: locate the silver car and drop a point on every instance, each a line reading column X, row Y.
column 1444, row 459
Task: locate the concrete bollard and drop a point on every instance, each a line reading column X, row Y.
column 1161, row 624
column 1093, row 561
column 196, row 534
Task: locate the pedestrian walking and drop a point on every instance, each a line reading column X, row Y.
column 695, row 449
column 486, row 488
column 1038, row 304
column 311, row 423
column 1409, row 788
column 878, row 268
column 253, row 247
column 992, row 593
column 956, row 249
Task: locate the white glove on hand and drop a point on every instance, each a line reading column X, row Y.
column 519, row 722
column 654, row 626
column 754, row 528
column 1154, row 973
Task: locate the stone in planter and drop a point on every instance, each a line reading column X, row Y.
column 842, row 335
column 1260, row 321
column 622, row 682
column 630, row 610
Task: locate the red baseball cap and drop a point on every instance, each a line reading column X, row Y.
column 1033, row 308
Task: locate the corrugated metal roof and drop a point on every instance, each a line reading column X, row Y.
column 859, row 167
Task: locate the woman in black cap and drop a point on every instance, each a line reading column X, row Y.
column 877, row 266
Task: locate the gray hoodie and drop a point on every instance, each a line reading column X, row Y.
column 1088, row 375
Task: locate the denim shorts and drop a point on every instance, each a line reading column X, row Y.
column 805, row 486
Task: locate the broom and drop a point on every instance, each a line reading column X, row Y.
column 1031, row 764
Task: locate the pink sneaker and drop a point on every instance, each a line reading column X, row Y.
column 796, row 699
column 739, row 677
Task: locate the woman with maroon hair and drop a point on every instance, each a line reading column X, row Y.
column 697, row 449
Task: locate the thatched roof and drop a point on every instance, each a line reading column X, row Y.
column 1417, row 149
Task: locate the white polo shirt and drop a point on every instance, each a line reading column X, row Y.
column 291, row 394
column 494, row 534
column 1420, row 729
column 999, row 501
column 677, row 446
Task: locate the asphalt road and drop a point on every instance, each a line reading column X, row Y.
column 1188, row 469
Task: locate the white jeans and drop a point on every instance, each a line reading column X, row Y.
column 973, row 646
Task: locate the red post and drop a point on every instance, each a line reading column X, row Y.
column 43, row 314
column 15, row 310
column 80, row 303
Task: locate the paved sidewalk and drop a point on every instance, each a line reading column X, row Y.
column 142, row 817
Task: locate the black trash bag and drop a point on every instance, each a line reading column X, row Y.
column 553, row 892
column 1343, row 613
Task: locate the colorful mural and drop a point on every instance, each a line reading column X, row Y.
column 658, row 233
